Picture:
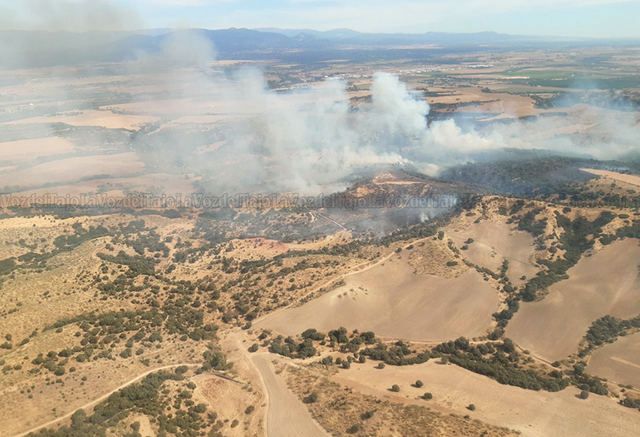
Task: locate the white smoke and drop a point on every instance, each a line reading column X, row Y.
column 311, row 140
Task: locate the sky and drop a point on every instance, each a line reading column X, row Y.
column 582, row 18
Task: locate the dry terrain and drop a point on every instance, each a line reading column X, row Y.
column 604, row 283
column 105, row 119
column 393, row 300
column 619, row 361
column 630, row 179
column 287, row 416
column 28, row 150
column 534, row 414
column 72, row 169
column 492, row 242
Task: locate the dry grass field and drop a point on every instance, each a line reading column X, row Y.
column 101, row 118
column 28, row 150
column 72, row 169
column 604, row 283
column 394, row 301
column 533, row 414
column 619, row 361
column 343, row 410
column 613, row 175
column 494, row 241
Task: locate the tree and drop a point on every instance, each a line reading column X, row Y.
column 471, row 407
column 395, row 388
column 427, row 396
column 418, row 384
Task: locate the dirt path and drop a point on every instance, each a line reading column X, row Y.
column 105, row 396
column 286, row 415
column 623, row 361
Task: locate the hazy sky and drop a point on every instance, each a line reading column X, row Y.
column 596, row 18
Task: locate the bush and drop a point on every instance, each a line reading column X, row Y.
column 311, row 398
column 313, row 334
column 418, row 384
column 471, row 407
column 395, row 388
column 353, row 429
column 427, row 396
column 366, row 415
column 584, row 394
column 630, row 403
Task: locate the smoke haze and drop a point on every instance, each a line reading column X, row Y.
column 307, row 140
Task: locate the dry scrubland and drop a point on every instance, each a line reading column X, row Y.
column 38, row 295
column 343, row 411
column 287, row 416
column 604, row 283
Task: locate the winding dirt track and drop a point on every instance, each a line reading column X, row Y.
column 106, row 395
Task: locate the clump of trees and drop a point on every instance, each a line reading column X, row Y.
column 288, row 347
column 138, row 265
column 606, row 330
column 500, row 362
column 574, row 240
column 397, row 354
column 630, row 402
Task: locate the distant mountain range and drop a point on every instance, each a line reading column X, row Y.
column 37, row 48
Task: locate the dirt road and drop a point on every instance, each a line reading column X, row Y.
column 103, row 397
